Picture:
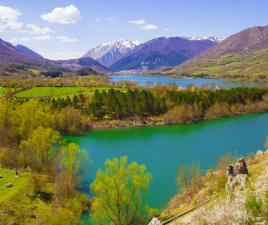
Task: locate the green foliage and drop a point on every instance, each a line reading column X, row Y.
column 37, row 151
column 74, row 161
column 206, row 98
column 117, row 104
column 119, row 193
column 2, row 91
column 253, row 205
column 257, row 207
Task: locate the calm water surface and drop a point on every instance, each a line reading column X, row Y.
column 141, row 79
column 162, row 149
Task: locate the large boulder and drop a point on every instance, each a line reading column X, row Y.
column 240, row 167
column 236, row 175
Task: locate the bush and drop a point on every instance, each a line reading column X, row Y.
column 72, row 121
column 253, row 206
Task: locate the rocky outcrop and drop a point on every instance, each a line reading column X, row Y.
column 155, row 221
column 240, row 167
column 236, row 175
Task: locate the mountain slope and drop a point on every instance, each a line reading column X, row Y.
column 10, row 54
column 109, row 53
column 29, row 52
column 244, row 54
column 19, row 54
column 76, row 64
column 161, row 52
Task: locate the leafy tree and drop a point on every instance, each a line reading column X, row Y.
column 73, row 161
column 37, row 151
column 31, row 115
column 119, row 193
column 71, row 120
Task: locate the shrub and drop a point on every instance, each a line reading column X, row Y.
column 253, row 206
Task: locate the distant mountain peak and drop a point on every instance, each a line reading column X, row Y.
column 161, row 52
column 122, row 42
column 109, row 53
column 211, row 38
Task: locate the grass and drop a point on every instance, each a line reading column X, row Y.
column 250, row 65
column 9, row 177
column 2, row 91
column 56, row 91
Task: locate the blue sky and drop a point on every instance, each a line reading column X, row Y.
column 61, row 29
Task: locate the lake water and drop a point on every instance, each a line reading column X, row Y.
column 150, row 81
column 162, row 149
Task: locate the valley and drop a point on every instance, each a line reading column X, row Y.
column 133, row 113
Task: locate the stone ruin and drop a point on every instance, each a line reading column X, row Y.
column 236, row 175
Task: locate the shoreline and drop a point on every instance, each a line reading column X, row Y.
column 174, row 75
column 124, row 124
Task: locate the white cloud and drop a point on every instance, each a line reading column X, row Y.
column 67, row 15
column 62, row 55
column 66, row 39
column 34, row 29
column 138, row 22
column 42, row 38
column 149, row 27
column 27, row 39
column 143, row 24
column 9, row 19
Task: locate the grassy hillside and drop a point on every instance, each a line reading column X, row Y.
column 223, row 207
column 250, row 65
column 243, row 55
column 9, row 177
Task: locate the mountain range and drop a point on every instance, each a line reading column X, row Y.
column 161, row 53
column 244, row 54
column 109, row 53
column 19, row 54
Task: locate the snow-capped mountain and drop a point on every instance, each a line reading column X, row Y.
column 161, row 52
column 109, row 53
column 212, row 38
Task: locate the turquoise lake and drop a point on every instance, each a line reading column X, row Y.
column 150, row 81
column 162, row 149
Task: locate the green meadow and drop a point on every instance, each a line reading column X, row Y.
column 56, row 91
column 2, row 91
column 9, row 177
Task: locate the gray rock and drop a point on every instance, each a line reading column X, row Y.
column 236, row 175
column 9, row 185
column 155, row 221
column 240, row 167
